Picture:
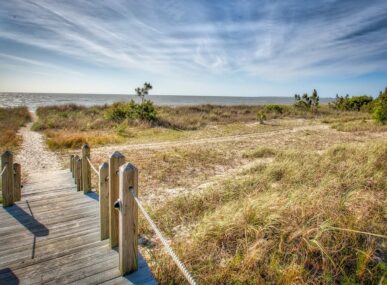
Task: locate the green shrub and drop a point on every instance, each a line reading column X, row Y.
column 144, row 111
column 380, row 110
column 261, row 117
column 117, row 112
column 274, row 108
column 306, row 102
column 354, row 103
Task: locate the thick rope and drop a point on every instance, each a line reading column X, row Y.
column 5, row 167
column 92, row 167
column 168, row 248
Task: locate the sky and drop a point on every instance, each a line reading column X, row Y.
column 198, row 47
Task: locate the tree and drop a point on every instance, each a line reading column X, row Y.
column 380, row 110
column 315, row 100
column 307, row 102
column 141, row 92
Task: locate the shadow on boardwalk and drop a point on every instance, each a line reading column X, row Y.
column 28, row 220
column 10, row 277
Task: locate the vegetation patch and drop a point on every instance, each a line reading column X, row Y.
column 319, row 221
column 260, row 152
column 11, row 119
column 75, row 140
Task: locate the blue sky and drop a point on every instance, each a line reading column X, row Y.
column 231, row 48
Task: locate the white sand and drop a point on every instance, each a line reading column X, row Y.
column 33, row 155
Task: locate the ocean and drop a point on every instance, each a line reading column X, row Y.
column 34, row 100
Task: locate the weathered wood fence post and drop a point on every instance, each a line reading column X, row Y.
column 17, row 181
column 128, row 219
column 76, row 157
column 78, row 175
column 86, row 170
column 7, row 179
column 103, row 187
column 116, row 160
column 72, row 164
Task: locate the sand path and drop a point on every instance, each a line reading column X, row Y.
column 222, row 139
column 33, row 155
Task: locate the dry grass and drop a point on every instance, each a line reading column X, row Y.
column 11, row 119
column 281, row 222
column 360, row 126
column 173, row 123
column 59, row 139
column 286, row 223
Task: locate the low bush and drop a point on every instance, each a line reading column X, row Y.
column 380, row 109
column 144, row 111
column 354, row 103
column 306, row 102
column 274, row 108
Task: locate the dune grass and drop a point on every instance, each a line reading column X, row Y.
column 11, row 119
column 312, row 214
column 303, row 219
column 68, row 126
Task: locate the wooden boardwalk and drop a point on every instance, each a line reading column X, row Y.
column 52, row 236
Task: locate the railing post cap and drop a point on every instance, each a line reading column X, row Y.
column 127, row 167
column 117, row 154
column 104, row 165
column 85, row 146
column 6, row 153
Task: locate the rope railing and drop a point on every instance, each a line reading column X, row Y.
column 2, row 171
column 120, row 229
column 168, row 248
column 92, row 166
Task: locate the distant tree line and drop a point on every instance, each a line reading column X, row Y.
column 378, row 106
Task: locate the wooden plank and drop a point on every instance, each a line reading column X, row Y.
column 59, row 230
column 116, row 160
column 30, row 222
column 45, row 273
column 67, row 253
column 26, row 254
column 48, row 270
column 91, row 270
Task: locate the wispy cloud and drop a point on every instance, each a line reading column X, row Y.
column 272, row 40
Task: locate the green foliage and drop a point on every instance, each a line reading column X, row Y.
column 143, row 91
column 354, row 103
column 118, row 112
column 274, row 108
column 144, row 111
column 306, row 102
column 380, row 110
column 261, row 117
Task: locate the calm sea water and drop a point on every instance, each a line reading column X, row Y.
column 34, row 100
